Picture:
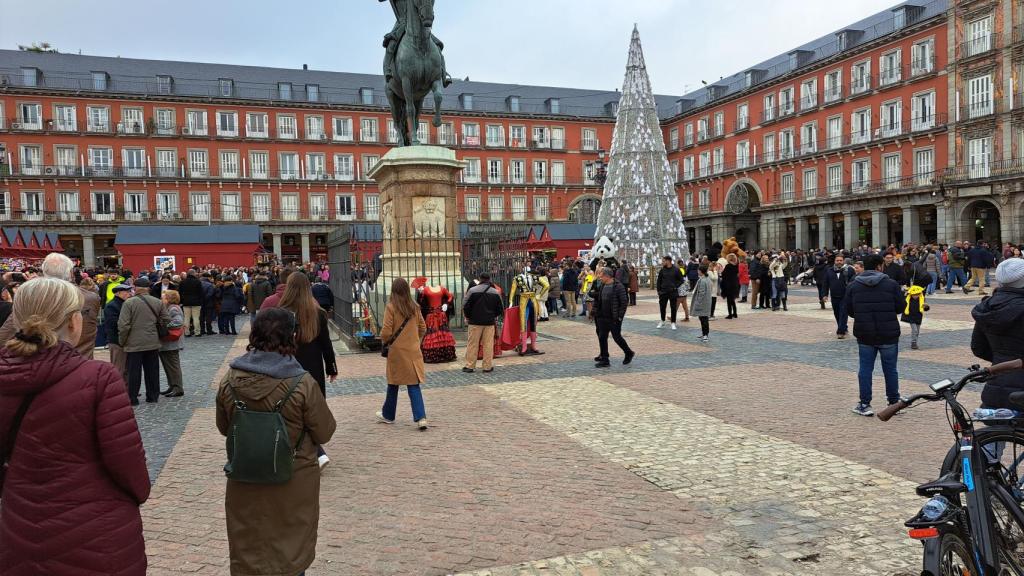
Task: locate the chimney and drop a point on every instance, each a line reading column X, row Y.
column 305, row 67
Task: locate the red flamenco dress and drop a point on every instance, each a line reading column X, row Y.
column 438, row 344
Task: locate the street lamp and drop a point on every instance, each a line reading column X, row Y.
column 598, row 169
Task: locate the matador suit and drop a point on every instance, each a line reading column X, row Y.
column 525, row 289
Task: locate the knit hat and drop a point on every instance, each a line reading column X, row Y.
column 1010, row 273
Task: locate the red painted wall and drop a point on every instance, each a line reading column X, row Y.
column 137, row 257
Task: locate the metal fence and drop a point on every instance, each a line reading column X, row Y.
column 361, row 274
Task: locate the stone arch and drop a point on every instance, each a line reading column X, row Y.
column 981, row 219
column 753, row 195
column 584, row 208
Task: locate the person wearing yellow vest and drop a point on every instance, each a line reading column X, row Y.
column 913, row 313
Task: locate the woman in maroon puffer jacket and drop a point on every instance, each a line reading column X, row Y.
column 77, row 475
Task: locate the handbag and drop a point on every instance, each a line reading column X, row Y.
column 386, row 347
column 161, row 326
column 7, row 449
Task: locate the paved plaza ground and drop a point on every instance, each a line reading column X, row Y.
column 738, row 457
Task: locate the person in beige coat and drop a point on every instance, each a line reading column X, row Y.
column 272, row 528
column 405, row 359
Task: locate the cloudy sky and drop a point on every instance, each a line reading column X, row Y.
column 575, row 43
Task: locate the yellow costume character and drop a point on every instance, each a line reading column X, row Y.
column 525, row 289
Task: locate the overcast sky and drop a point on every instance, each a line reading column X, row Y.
column 573, row 43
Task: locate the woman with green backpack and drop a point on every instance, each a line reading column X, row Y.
column 274, row 417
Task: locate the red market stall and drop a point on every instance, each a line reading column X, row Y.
column 563, row 238
column 27, row 244
column 181, row 247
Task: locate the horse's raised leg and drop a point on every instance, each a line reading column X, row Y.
column 398, row 115
column 411, row 112
column 438, row 86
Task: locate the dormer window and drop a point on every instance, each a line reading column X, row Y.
column 164, row 84
column 312, row 92
column 554, row 106
column 227, row 87
column 799, row 58
column 284, row 90
column 611, row 109
column 513, row 103
column 366, row 96
column 843, row 41
column 748, row 79
column 899, row 18
column 99, row 80
column 30, row 77
column 466, row 101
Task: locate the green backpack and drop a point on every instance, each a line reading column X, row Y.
column 259, row 450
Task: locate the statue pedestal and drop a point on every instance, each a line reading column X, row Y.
column 420, row 217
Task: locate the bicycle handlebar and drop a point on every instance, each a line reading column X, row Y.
column 1006, row 367
column 889, row 411
column 975, row 376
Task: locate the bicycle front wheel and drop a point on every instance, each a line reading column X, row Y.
column 1008, row 521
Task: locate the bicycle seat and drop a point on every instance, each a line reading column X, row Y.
column 947, row 484
column 1017, row 399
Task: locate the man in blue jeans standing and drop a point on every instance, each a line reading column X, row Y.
column 874, row 301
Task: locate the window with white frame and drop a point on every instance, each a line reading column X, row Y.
column 719, row 123
column 471, row 173
column 558, row 173
column 133, row 162
column 834, row 86
column 673, row 167
column 345, row 207
column 496, row 208
column 769, row 107
column 809, row 138
column 702, row 129
column 316, row 166
column 470, row 134
column 368, row 130
column 164, row 85
column 705, row 200
column 860, row 126
column 517, row 136
column 557, row 138
column 978, row 34
column 318, row 206
column 809, row 94
column 786, row 104
column 98, row 118
column 30, row 116
column 588, row 139
column 786, row 144
column 315, row 128
column 166, row 163
column 786, row 187
column 135, row 207
column 688, row 135
column 286, row 127
column 922, row 111
column 392, row 137
column 33, row 204
column 369, row 161
column 103, row 205
column 195, row 123
column 472, row 207
column 588, row 173
column 717, row 160
column 742, row 116
column 517, row 171
column 688, row 202
column 519, row 207
column 835, row 179
column 288, row 165
column 446, row 134
column 704, row 165
column 540, row 171
column 673, row 139
column 229, row 165
column 922, row 57
column 227, row 87
column 494, row 171
column 890, row 116
column 67, row 205
column 979, row 96
column 65, row 159
column 688, row 168
column 132, row 121
column 541, row 137
column 290, row 207
column 342, row 129
column 423, row 132
column 256, row 125
column 860, row 174
column 742, row 154
column 768, row 148
column 889, row 67
column 540, row 208
column 167, row 206
column 891, row 170
column 495, row 135
column 101, row 160
column 260, row 207
column 979, row 156
column 164, row 119
column 227, row 124
column 810, row 183
column 259, row 165
column 860, row 77
column 198, row 164
column 344, row 167
column 924, row 166
column 65, row 118
column 31, row 159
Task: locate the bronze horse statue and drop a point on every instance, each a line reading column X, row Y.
column 416, row 70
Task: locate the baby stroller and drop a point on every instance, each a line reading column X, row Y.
column 805, row 278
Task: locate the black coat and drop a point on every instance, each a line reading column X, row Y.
column 483, row 305
column 571, row 280
column 611, row 301
column 230, row 296
column 730, row 281
column 209, row 292
column 111, row 314
column 314, row 355
column 999, row 337
column 895, row 271
column 191, row 291
column 323, row 295
column 837, row 281
column 874, row 301
column 669, row 281
column 692, row 272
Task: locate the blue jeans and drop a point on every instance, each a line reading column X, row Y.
column 890, row 355
column 957, row 274
column 842, row 320
column 935, row 281
column 415, row 398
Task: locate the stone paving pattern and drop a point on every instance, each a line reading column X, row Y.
column 738, row 457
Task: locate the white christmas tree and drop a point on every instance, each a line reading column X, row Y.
column 640, row 210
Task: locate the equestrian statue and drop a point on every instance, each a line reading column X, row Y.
column 413, row 67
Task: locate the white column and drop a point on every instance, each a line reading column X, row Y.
column 277, row 246
column 88, row 251
column 879, row 228
column 850, row 227
column 911, row 225
column 825, row 231
column 802, row 236
column 305, row 247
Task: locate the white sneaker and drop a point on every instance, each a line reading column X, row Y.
column 661, row 325
column 674, row 326
column 422, row 423
column 381, row 418
column 323, row 461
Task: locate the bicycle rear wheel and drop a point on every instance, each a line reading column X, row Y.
column 954, row 558
column 1008, row 521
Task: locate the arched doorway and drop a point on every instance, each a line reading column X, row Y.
column 584, row 210
column 741, row 200
column 981, row 220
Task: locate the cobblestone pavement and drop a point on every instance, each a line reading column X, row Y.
column 738, row 457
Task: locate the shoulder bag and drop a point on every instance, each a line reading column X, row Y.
column 161, row 327
column 7, row 449
column 386, row 347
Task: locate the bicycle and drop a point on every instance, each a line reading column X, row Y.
column 973, row 524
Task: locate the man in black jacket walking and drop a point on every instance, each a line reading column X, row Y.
column 670, row 278
column 874, row 301
column 482, row 309
column 191, row 293
column 609, row 311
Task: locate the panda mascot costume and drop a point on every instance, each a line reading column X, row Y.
column 604, row 249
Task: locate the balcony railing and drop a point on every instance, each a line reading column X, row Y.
column 978, row 46
column 860, row 85
column 976, row 110
column 1013, row 167
column 890, row 76
column 833, row 94
column 131, row 128
column 922, row 66
column 809, row 101
column 22, row 124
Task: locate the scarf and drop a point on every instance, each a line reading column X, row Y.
column 915, row 291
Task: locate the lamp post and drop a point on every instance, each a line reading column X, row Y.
column 598, row 169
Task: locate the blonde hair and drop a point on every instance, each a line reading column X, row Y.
column 172, row 296
column 43, row 308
